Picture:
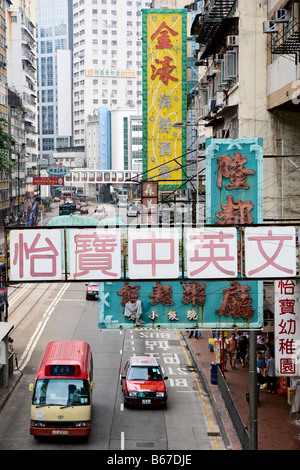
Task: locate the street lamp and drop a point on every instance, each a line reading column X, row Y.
column 182, row 125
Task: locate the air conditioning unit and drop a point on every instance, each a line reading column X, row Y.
column 232, row 41
column 270, row 27
column 219, row 98
column 282, row 16
column 205, row 111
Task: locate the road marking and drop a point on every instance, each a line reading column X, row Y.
column 122, row 440
column 18, row 295
column 25, row 358
column 201, row 394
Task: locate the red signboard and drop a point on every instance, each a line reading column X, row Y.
column 51, row 180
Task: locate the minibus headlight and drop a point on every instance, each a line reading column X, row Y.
column 38, row 424
column 82, row 424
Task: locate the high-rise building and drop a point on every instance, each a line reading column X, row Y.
column 54, row 36
column 4, row 178
column 107, row 58
column 21, row 75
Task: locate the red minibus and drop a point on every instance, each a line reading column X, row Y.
column 62, row 393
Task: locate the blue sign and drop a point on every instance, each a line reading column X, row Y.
column 179, row 305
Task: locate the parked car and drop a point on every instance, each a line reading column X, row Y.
column 132, row 210
column 92, row 291
column 143, row 382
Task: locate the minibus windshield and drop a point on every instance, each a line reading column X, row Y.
column 61, row 392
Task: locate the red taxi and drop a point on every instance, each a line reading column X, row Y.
column 143, row 382
column 92, row 291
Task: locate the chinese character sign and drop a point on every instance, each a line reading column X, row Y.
column 270, row 251
column 211, row 253
column 95, row 254
column 153, row 253
column 234, row 177
column 173, row 304
column 35, row 255
column 287, row 328
column 164, row 95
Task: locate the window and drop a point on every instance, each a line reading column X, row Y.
column 229, row 66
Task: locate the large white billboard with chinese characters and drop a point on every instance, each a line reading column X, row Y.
column 195, row 276
column 147, row 253
column 287, row 327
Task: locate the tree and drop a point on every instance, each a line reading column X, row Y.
column 7, row 143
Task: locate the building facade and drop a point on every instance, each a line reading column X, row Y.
column 21, row 75
column 107, row 58
column 16, row 125
column 248, row 87
column 54, row 36
column 4, row 176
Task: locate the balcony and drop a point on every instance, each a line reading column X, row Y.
column 207, row 23
column 287, row 42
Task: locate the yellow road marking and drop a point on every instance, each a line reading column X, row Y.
column 201, row 394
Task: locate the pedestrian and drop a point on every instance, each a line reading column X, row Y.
column 10, row 345
column 243, row 347
column 271, row 377
column 238, row 339
column 232, row 350
column 260, row 367
column 225, row 353
column 268, row 352
column 197, row 334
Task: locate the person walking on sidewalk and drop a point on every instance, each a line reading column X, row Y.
column 243, row 347
column 232, row 350
column 271, row 377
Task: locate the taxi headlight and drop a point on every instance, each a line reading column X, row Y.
column 132, row 394
column 160, row 394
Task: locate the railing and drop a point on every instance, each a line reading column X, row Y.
column 287, row 42
column 233, row 412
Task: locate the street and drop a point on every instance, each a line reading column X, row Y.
column 44, row 312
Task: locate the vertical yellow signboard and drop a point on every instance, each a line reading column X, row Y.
column 164, row 96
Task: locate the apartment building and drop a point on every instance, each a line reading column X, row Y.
column 16, row 125
column 107, row 58
column 4, row 177
column 281, row 28
column 21, row 75
column 247, row 59
column 54, row 37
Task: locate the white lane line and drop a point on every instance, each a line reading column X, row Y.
column 122, row 440
column 25, row 358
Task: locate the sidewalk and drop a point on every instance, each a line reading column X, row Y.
column 276, row 429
